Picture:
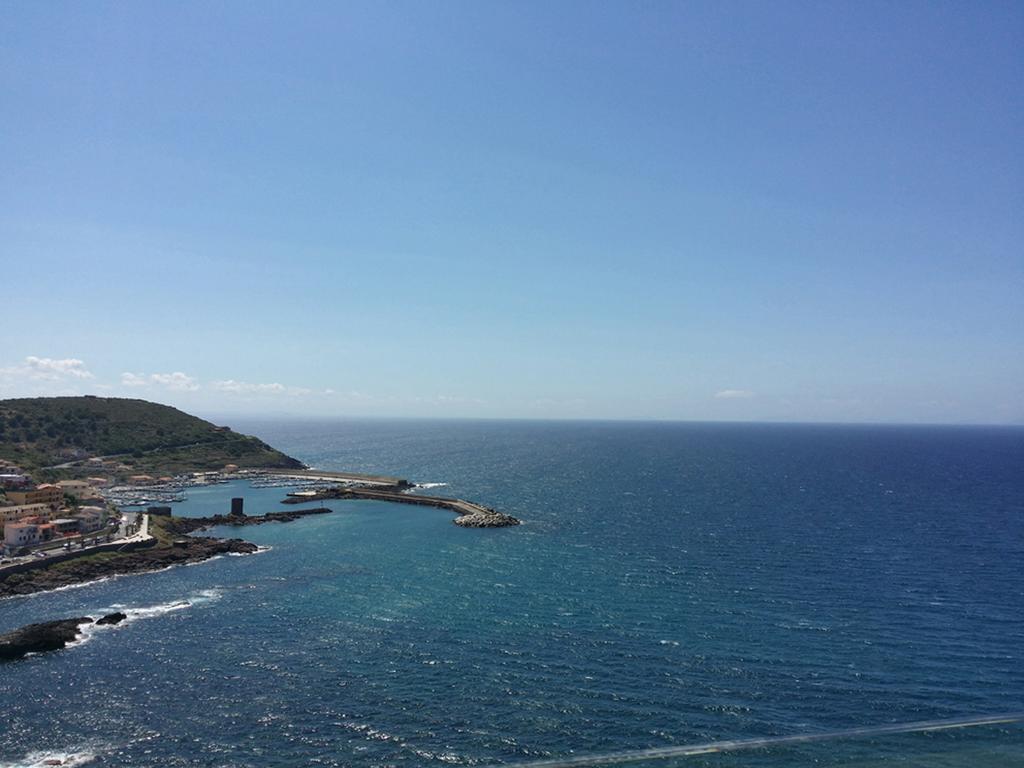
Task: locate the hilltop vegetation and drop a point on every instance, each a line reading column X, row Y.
column 43, row 432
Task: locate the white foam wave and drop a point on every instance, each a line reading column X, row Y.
column 431, row 485
column 87, row 631
column 149, row 612
column 47, row 758
column 199, row 562
column 61, row 589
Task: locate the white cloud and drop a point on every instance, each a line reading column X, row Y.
column 177, row 381
column 734, row 394
column 134, row 379
column 45, row 376
column 249, row 388
column 34, row 368
column 230, row 385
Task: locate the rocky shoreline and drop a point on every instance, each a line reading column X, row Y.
column 48, row 635
column 91, row 568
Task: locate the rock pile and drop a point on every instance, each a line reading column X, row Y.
column 486, row 518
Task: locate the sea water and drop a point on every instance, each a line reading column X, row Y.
column 670, row 584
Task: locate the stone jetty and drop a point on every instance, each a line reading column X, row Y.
column 468, row 513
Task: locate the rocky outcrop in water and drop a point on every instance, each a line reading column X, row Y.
column 38, row 638
column 48, row 635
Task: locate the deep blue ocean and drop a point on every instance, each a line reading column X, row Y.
column 671, row 583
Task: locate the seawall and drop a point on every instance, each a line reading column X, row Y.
column 39, row 563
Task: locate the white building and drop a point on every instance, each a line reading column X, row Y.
column 20, row 535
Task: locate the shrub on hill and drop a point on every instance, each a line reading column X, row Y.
column 47, row 431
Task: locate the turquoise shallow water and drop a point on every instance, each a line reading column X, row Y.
column 671, row 584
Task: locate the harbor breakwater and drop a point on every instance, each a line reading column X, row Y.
column 468, row 513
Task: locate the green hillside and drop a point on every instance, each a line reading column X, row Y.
column 43, row 432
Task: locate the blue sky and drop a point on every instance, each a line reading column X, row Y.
column 777, row 211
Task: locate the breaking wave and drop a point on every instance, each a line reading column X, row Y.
column 46, row 758
column 87, row 631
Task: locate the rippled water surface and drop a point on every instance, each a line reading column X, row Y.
column 672, row 583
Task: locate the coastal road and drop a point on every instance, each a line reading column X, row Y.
column 117, row 537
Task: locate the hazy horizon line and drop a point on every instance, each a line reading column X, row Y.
column 211, row 415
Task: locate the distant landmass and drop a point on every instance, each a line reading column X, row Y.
column 56, row 436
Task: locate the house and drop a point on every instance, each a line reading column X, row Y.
column 89, row 519
column 76, row 488
column 65, row 526
column 20, row 535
